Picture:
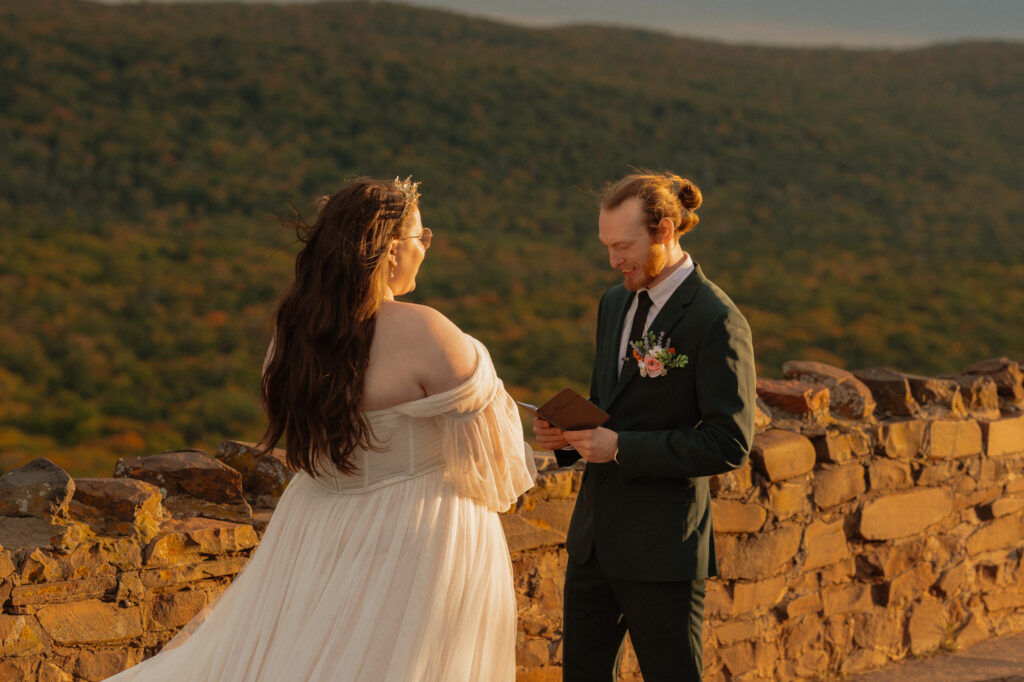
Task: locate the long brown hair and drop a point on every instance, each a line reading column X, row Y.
column 662, row 195
column 314, row 376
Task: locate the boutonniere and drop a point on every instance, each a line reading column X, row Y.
column 655, row 355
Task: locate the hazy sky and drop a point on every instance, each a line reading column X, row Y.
column 852, row 23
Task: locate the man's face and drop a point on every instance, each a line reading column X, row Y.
column 631, row 248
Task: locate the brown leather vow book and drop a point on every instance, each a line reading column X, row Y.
column 569, row 411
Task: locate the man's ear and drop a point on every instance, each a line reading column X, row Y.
column 663, row 231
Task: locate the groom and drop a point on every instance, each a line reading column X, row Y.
column 675, row 370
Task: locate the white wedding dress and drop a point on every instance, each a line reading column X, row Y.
column 400, row 573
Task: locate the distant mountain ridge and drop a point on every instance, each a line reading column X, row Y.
column 863, row 208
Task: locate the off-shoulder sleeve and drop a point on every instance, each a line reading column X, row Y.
column 487, row 458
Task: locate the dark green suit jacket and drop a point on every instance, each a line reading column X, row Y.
column 648, row 516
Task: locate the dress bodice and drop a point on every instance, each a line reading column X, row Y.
column 472, row 431
column 408, row 447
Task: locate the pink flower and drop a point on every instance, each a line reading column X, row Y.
column 653, row 366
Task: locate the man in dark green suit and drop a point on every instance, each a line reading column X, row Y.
column 675, row 370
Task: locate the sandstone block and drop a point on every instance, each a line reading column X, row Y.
column 50, row 672
column 998, row 601
column 99, row 665
column 852, row 599
column 1003, row 436
column 952, row 580
column 850, row 397
column 839, row 573
column 62, row 591
column 971, row 496
column 951, row 438
column 521, row 535
column 731, row 516
column 927, row 626
column 808, row 603
column 799, row 635
column 262, row 473
column 788, row 498
column 890, row 390
column 546, row 674
column 20, row 668
column 835, row 485
column 937, row 396
column 551, row 514
column 975, row 630
column 911, row 584
column 757, row 659
column 21, row 636
column 735, row 483
column 136, row 503
column 89, row 622
column 781, row 455
column 738, row 631
column 981, row 396
column 717, row 601
column 762, row 415
column 196, row 484
column 1002, row 533
column 903, row 514
column 937, row 473
column 1006, row 506
column 879, row 628
column 1005, row 373
column 182, row 541
column 174, row 609
column 32, row 532
column 862, row 660
column 757, row 597
column 902, row 439
column 886, row 475
column 168, row 577
column 824, row 544
column 757, row 556
column 841, row 446
column 40, row 488
column 6, row 564
column 810, row 401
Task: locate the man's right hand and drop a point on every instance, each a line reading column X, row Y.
column 548, row 437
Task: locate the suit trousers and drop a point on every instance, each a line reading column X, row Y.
column 665, row 621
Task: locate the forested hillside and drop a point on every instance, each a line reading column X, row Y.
column 862, row 207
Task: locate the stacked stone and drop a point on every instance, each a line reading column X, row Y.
column 881, row 516
column 96, row 574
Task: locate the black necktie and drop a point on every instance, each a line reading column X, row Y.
column 643, row 305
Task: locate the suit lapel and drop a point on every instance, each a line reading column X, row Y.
column 668, row 317
column 610, row 357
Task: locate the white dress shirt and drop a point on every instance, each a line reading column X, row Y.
column 659, row 293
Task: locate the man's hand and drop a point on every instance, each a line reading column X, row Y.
column 549, row 437
column 595, row 445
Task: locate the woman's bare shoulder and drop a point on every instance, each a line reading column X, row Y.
column 445, row 355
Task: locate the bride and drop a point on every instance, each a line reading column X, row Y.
column 385, row 560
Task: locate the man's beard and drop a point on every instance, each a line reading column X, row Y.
column 651, row 268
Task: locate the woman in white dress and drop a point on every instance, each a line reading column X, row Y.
column 385, row 560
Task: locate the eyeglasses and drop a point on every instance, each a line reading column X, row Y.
column 426, row 236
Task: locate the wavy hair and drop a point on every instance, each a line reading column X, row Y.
column 315, row 371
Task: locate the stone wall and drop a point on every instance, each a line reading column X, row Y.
column 881, row 516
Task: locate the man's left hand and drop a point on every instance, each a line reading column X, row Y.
column 594, row 445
